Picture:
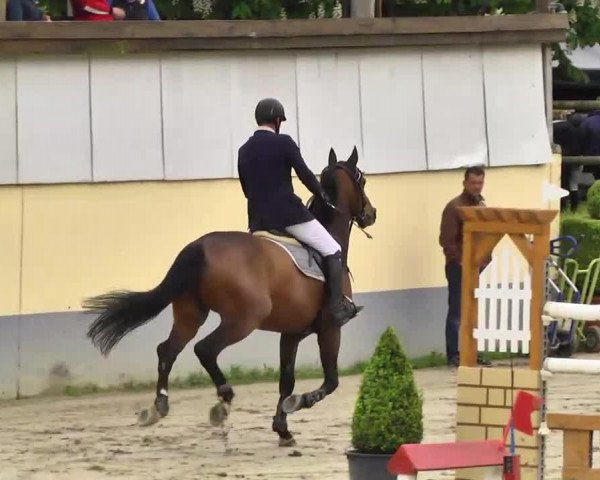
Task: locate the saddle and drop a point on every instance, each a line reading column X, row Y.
column 308, row 260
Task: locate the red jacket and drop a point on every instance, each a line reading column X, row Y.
column 92, row 10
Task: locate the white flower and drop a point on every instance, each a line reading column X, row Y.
column 321, row 11
column 573, row 16
column 203, row 7
column 283, row 14
column 337, row 10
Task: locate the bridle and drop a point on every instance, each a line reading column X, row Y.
column 356, row 177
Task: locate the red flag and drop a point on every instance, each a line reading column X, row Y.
column 525, row 404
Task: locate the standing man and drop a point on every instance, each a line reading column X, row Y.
column 451, row 238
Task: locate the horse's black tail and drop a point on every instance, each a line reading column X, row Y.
column 123, row 311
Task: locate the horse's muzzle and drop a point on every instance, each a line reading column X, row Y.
column 367, row 218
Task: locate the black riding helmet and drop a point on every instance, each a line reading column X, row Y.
column 268, row 110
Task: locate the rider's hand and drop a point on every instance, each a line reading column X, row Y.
column 118, row 13
column 326, row 198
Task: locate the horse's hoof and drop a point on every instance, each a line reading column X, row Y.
column 287, row 442
column 162, row 406
column 148, row 416
column 292, row 404
column 218, row 414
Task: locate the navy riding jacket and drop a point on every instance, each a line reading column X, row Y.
column 265, row 162
column 591, row 134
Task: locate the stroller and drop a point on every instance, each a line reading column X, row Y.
column 560, row 287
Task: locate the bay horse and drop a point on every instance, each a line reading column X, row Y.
column 252, row 284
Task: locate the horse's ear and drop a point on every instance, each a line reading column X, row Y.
column 332, row 157
column 353, row 160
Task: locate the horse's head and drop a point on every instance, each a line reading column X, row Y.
column 345, row 183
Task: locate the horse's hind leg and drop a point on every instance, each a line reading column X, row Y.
column 188, row 316
column 329, row 346
column 208, row 349
column 288, row 347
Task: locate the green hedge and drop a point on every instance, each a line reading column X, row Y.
column 587, row 232
column 229, row 9
column 275, row 9
column 593, row 200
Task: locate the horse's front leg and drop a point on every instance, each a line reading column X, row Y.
column 288, row 347
column 329, row 346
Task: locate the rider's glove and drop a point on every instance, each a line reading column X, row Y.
column 326, row 198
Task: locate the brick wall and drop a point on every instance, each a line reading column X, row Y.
column 484, row 400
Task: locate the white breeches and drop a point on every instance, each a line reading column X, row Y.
column 314, row 234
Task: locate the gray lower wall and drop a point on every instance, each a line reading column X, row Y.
column 37, row 351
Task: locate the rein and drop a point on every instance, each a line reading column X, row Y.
column 353, row 219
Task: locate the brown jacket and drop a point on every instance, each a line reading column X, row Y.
column 451, row 236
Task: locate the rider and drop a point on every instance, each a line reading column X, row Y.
column 264, row 167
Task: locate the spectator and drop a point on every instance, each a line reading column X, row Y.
column 591, row 140
column 25, row 11
column 571, row 136
column 451, row 237
column 137, row 9
column 590, row 127
column 96, row 11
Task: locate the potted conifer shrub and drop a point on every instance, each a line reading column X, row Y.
column 388, row 411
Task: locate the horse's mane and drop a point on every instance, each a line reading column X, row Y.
column 316, row 206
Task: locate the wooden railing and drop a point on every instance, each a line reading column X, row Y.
column 135, row 36
column 578, row 432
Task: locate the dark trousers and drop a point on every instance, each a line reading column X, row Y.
column 454, row 278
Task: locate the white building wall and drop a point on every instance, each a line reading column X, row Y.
column 171, row 116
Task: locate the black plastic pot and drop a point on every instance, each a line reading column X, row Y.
column 368, row 466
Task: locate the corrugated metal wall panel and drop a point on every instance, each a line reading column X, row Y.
column 53, row 112
column 8, row 122
column 126, row 118
column 184, row 115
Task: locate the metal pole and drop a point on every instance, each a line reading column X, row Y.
column 363, row 8
column 548, row 91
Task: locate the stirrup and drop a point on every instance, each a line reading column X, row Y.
column 350, row 302
column 344, row 311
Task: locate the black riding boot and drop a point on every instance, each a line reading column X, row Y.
column 341, row 307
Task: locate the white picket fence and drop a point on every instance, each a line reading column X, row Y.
column 504, row 297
